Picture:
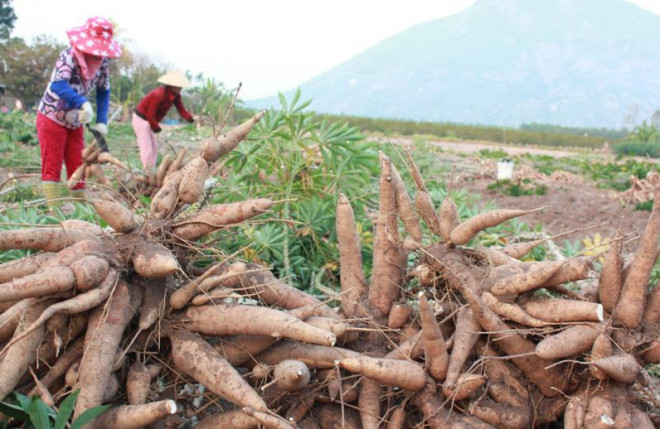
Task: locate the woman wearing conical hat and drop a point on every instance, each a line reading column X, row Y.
column 152, row 109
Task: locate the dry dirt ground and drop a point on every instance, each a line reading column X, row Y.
column 570, row 203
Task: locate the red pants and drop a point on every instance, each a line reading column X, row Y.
column 59, row 144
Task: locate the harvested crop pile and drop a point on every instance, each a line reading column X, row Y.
column 459, row 340
column 641, row 190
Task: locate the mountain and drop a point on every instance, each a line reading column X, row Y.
column 582, row 63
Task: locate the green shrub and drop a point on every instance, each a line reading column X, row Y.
column 637, row 148
column 518, row 188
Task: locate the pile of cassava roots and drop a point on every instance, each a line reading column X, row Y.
column 466, row 337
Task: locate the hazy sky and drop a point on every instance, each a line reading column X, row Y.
column 268, row 45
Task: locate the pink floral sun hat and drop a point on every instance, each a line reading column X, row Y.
column 95, row 38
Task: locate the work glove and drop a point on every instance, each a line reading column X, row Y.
column 85, row 113
column 101, row 128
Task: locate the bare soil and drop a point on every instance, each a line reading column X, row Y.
column 570, row 202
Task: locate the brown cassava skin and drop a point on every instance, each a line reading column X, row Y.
column 414, row 172
column 548, row 410
column 599, row 411
column 260, row 281
column 83, row 225
column 184, row 294
column 107, row 157
column 571, row 341
column 45, row 282
column 299, row 409
column 196, row 358
column 506, row 388
column 268, row 420
column 397, row 420
column 369, row 403
column 194, row 175
column 465, row 337
column 571, row 270
column 499, row 415
column 72, row 354
column 240, row 348
column 448, row 217
column 386, row 273
column 652, row 352
column 652, row 310
column 215, row 295
column 466, row 385
column 518, row 250
column 437, row 417
column 229, row 419
column 218, row 216
column 351, row 275
column 575, row 412
column 426, row 210
column 622, row 418
column 134, row 416
column 78, row 304
column 291, row 375
column 495, row 257
column 10, row 318
column 96, row 171
column 467, row 229
column 19, row 356
column 602, row 348
column 622, row 368
column 314, row 356
column 88, row 150
column 116, row 215
column 518, row 278
column 176, row 164
column 235, row 319
column 89, row 272
column 435, row 348
column 167, row 197
column 405, row 208
column 391, row 372
column 336, row 326
column 330, row 417
column 75, row 252
column 161, row 171
column 550, row 380
column 77, row 176
column 213, row 149
column 23, row 267
column 104, row 333
column 511, row 311
column 111, row 388
column 640, row 420
column 399, row 315
column 611, row 278
column 630, row 307
column 137, row 384
column 152, row 260
column 565, row 310
column 153, row 304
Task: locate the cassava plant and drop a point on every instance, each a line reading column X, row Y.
column 458, row 339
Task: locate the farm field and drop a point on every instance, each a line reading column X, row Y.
column 299, row 259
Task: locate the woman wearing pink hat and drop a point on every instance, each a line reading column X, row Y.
column 65, row 106
column 152, row 109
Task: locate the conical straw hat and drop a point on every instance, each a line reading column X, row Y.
column 175, row 78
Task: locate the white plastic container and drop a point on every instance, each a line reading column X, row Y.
column 504, row 169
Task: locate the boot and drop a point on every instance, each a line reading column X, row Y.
column 52, row 193
column 78, row 194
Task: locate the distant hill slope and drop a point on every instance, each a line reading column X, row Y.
column 583, row 63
